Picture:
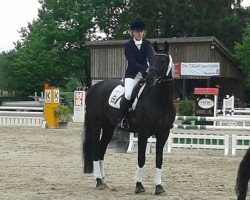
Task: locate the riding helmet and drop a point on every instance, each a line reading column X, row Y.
column 138, row 24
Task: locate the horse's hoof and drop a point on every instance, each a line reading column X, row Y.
column 159, row 189
column 139, row 188
column 100, row 185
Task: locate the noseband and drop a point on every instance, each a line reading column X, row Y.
column 159, row 76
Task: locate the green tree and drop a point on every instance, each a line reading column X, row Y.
column 185, row 18
column 52, row 48
column 242, row 52
column 5, row 69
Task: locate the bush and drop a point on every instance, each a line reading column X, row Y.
column 64, row 113
column 186, row 108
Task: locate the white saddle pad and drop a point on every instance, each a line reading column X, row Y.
column 117, row 94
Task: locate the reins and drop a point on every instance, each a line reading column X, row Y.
column 160, row 77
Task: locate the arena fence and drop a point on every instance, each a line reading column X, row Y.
column 204, row 141
column 195, row 141
column 133, row 140
column 21, row 115
column 233, row 123
column 21, row 110
column 240, row 142
column 23, row 121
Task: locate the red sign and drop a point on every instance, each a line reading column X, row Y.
column 177, row 70
column 211, row 91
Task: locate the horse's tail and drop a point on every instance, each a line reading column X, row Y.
column 243, row 176
column 87, row 150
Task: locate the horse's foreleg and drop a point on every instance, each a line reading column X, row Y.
column 159, row 157
column 142, row 143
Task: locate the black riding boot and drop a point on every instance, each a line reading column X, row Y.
column 122, row 123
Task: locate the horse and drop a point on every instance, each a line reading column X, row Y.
column 154, row 115
column 243, row 177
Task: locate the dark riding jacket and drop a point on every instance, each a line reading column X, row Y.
column 137, row 59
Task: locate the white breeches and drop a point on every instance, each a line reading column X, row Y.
column 130, row 84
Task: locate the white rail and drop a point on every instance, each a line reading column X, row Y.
column 195, row 141
column 240, row 142
column 21, row 110
column 27, row 121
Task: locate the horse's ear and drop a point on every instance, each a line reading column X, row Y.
column 166, row 46
column 156, row 47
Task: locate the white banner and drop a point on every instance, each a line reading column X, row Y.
column 200, row 69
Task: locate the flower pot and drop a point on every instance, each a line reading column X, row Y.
column 63, row 125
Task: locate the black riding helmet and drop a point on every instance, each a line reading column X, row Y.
column 138, row 25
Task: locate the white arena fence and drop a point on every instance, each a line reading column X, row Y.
column 22, row 121
column 194, row 141
column 21, row 115
column 21, row 110
column 228, row 108
column 203, row 141
column 186, row 141
column 240, row 142
column 133, row 140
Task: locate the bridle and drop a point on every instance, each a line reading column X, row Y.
column 159, row 76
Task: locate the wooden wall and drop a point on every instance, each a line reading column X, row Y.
column 108, row 60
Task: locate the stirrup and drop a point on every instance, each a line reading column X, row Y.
column 123, row 124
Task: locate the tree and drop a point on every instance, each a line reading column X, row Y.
column 242, row 52
column 185, row 18
column 52, row 48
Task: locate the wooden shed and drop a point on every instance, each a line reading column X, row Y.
column 108, row 62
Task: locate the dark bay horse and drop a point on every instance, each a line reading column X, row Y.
column 153, row 115
column 243, row 176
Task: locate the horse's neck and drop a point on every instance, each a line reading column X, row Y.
column 161, row 94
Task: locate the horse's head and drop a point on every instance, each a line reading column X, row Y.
column 160, row 65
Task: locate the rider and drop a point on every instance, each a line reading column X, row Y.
column 138, row 53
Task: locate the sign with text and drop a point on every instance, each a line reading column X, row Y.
column 177, row 70
column 200, row 69
column 56, row 96
column 79, row 106
column 206, row 91
column 47, row 96
column 206, row 103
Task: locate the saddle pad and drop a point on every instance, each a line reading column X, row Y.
column 116, row 96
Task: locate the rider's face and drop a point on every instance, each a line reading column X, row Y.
column 138, row 34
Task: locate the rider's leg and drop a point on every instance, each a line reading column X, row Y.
column 125, row 103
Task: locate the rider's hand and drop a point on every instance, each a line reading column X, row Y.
column 144, row 74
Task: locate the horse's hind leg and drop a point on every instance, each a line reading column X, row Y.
column 107, row 133
column 99, row 151
column 96, row 131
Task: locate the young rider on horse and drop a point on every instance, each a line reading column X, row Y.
column 138, row 53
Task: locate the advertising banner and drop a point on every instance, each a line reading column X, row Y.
column 200, row 69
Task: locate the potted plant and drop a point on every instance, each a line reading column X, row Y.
column 64, row 114
column 186, row 108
